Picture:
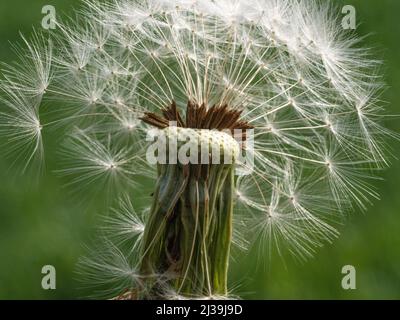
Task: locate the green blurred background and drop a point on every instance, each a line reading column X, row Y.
column 40, row 223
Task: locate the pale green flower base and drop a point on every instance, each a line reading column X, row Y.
column 188, row 235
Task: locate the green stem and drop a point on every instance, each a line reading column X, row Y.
column 188, row 234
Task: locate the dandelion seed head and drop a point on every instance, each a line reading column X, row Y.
column 309, row 90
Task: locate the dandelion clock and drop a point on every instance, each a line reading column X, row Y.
column 252, row 121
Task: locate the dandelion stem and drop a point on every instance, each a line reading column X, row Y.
column 189, row 231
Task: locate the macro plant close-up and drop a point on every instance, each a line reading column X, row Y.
column 194, row 148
